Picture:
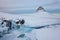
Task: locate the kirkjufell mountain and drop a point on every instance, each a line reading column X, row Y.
column 40, row 8
column 40, row 19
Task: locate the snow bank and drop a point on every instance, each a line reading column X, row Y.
column 38, row 18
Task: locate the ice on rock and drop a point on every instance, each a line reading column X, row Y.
column 26, row 32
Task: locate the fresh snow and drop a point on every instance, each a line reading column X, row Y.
column 40, row 18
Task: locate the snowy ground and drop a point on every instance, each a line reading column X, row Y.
column 37, row 19
column 51, row 33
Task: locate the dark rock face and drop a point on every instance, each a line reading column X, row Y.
column 8, row 23
column 40, row 8
column 22, row 21
column 22, row 35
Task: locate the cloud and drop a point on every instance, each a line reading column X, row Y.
column 23, row 3
column 11, row 5
column 53, row 6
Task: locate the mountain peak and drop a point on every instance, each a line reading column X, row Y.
column 40, row 8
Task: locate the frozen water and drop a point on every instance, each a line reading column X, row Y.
column 40, row 34
column 39, row 19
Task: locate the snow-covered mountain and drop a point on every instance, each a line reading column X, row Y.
column 41, row 17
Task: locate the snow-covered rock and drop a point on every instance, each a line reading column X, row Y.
column 39, row 18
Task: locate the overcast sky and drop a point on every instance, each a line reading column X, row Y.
column 18, row 4
column 28, row 3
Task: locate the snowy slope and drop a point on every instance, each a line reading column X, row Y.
column 33, row 20
column 38, row 18
column 40, row 34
